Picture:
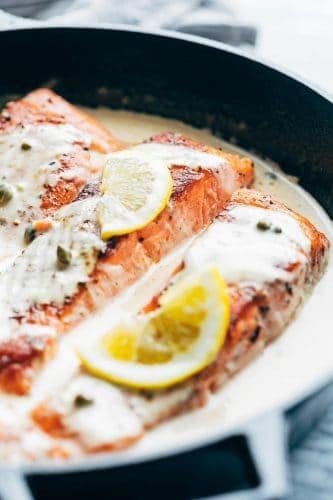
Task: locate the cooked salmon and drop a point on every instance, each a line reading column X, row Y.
column 42, row 300
column 56, row 108
column 56, row 150
column 264, row 295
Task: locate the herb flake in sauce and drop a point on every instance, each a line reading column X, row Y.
column 6, row 194
column 64, row 257
column 30, row 234
column 81, row 401
column 263, row 225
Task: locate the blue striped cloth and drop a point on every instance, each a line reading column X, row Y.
column 209, row 18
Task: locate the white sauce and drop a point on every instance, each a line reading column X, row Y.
column 60, row 376
column 245, row 253
column 80, row 213
column 172, row 154
column 108, row 419
column 36, row 277
column 176, row 154
column 27, row 170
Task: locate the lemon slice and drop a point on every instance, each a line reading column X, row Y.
column 170, row 344
column 134, row 191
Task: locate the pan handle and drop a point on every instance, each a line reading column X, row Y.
column 13, row 486
column 267, row 442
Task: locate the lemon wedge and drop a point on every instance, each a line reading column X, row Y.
column 134, row 191
column 168, row 345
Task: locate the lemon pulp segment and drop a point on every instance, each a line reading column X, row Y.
column 166, row 346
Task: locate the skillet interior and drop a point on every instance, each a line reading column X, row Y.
column 239, row 99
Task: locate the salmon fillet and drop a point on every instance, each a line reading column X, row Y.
column 45, row 106
column 44, row 110
column 260, row 313
column 199, row 194
column 261, row 307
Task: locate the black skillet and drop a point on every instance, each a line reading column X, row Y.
column 241, row 99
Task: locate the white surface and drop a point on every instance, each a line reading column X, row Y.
column 297, row 34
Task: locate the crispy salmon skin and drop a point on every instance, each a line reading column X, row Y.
column 203, row 181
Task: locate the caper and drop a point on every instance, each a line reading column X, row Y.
column 29, row 234
column 263, row 225
column 6, row 194
column 64, row 256
column 25, row 146
column 81, row 401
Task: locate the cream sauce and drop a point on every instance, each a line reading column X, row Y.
column 116, row 420
column 29, row 161
column 37, row 277
column 171, row 154
column 244, row 252
column 61, row 374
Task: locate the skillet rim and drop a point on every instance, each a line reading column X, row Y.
column 317, row 89
column 119, row 459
